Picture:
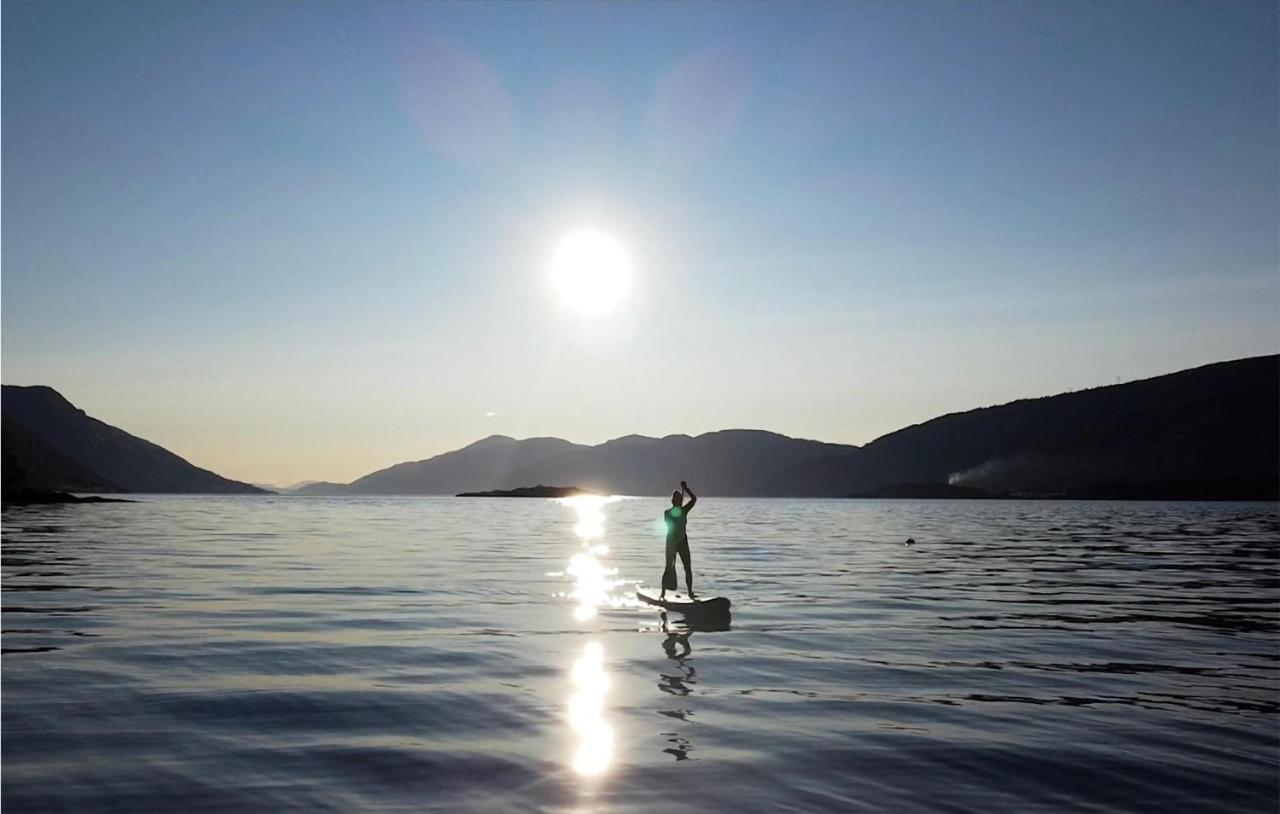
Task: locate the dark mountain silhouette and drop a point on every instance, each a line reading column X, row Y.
column 476, row 467
column 31, row 465
column 741, row 463
column 1209, row 432
column 49, row 444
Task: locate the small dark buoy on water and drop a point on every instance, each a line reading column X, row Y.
column 910, row 541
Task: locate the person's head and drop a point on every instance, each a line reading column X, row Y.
column 676, row 497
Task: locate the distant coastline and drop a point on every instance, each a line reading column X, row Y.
column 42, row 498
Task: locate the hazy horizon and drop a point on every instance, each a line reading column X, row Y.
column 304, row 242
column 596, row 442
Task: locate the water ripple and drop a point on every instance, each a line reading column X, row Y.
column 274, row 654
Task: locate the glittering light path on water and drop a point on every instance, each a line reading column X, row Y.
column 586, row 712
column 594, row 583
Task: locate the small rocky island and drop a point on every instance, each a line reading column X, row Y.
column 530, row 491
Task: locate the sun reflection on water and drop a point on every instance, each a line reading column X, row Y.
column 586, row 712
column 593, row 581
column 593, row 588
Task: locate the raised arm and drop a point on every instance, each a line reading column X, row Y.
column 692, row 497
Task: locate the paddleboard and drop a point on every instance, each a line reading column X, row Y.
column 702, row 607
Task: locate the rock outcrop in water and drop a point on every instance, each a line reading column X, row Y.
column 1206, row 433
column 530, row 491
column 51, row 446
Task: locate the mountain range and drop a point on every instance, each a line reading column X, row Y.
column 1208, row 432
column 1211, row 432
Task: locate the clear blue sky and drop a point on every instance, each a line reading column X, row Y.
column 309, row 240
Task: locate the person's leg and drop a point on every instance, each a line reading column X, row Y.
column 669, row 571
column 687, row 559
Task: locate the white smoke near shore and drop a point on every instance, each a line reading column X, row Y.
column 1043, row 472
column 984, row 472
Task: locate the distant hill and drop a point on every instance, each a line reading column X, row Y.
column 320, row 487
column 732, row 462
column 1209, row 432
column 476, row 467
column 293, row 487
column 49, row 444
column 740, row 463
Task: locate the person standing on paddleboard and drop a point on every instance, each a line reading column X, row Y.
column 678, row 540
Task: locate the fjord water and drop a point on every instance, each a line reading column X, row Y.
column 278, row 654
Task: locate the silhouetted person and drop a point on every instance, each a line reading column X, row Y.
column 678, row 540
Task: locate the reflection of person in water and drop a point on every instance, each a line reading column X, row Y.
column 678, row 650
column 678, row 540
column 677, row 647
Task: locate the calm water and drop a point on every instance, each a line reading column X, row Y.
column 273, row 654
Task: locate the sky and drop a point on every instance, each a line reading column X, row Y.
column 309, row 240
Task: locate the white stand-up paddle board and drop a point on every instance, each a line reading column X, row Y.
column 716, row 606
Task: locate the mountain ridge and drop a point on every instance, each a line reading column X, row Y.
column 1210, row 429
column 59, row 447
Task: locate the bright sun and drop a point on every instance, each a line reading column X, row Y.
column 591, row 272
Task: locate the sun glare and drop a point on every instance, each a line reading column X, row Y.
column 591, row 272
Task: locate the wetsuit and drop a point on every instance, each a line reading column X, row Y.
column 677, row 543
